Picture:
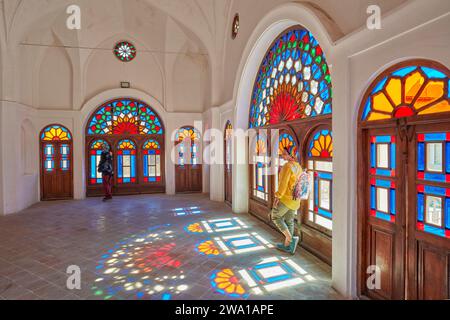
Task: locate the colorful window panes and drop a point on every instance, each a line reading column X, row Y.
column 293, row 81
column 433, row 210
column 322, row 145
column 125, row 51
column 188, row 139
column 49, row 157
column 260, row 168
column 320, row 169
column 382, row 170
column 124, row 116
column 433, row 156
column 126, row 162
column 382, row 156
column 152, row 161
column 95, row 154
column 64, row 152
column 408, row 91
column 56, row 133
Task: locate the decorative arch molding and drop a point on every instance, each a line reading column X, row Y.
column 268, row 29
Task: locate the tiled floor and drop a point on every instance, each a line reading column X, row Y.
column 151, row 247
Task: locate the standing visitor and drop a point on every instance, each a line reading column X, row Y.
column 105, row 166
column 286, row 202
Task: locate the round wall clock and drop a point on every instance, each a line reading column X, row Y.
column 125, row 51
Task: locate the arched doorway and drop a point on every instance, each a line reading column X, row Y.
column 56, row 163
column 228, row 167
column 291, row 98
column 188, row 167
column 404, row 182
column 135, row 134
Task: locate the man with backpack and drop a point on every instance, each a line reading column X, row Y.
column 291, row 189
column 105, row 167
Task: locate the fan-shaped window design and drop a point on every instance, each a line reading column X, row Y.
column 322, row 145
column 124, row 116
column 188, row 137
column 95, row 152
column 408, row 91
column 56, row 133
column 152, row 161
column 293, row 81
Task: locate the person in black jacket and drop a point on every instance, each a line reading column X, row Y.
column 105, row 166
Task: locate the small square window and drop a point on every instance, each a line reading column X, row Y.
column 434, row 157
column 383, row 200
column 383, row 155
column 434, row 211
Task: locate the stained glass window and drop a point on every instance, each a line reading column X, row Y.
column 64, row 152
column 320, row 168
column 152, row 161
column 408, row 91
column 260, row 167
column 188, row 139
column 382, row 177
column 49, row 157
column 56, row 133
column 125, row 51
column 124, row 116
column 95, row 154
column 293, row 81
column 433, row 166
column 126, row 162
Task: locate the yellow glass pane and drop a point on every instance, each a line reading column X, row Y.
column 412, row 86
column 394, row 90
column 443, row 106
column 377, row 116
column 381, row 103
column 433, row 91
column 322, row 142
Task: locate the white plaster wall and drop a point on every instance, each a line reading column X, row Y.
column 418, row 29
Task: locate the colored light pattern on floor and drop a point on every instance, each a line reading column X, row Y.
column 234, row 244
column 142, row 266
column 181, row 212
column 269, row 275
column 216, row 225
column 226, row 282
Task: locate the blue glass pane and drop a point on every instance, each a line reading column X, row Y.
column 447, row 156
column 393, row 156
column 420, row 208
column 372, row 155
column 435, row 136
column 372, row 197
column 434, row 230
column 392, row 201
column 447, row 213
column 421, row 156
column 435, row 190
column 380, row 86
column 433, row 73
column 404, row 71
column 383, row 183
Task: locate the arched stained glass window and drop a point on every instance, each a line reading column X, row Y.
column 407, row 91
column 261, row 162
column 95, row 152
column 322, row 145
column 320, row 168
column 293, row 82
column 124, row 116
column 126, row 162
column 152, row 161
column 56, row 133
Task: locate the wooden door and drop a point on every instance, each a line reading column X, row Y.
column 429, row 212
column 383, row 212
column 56, row 170
column 228, row 168
column 188, row 170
